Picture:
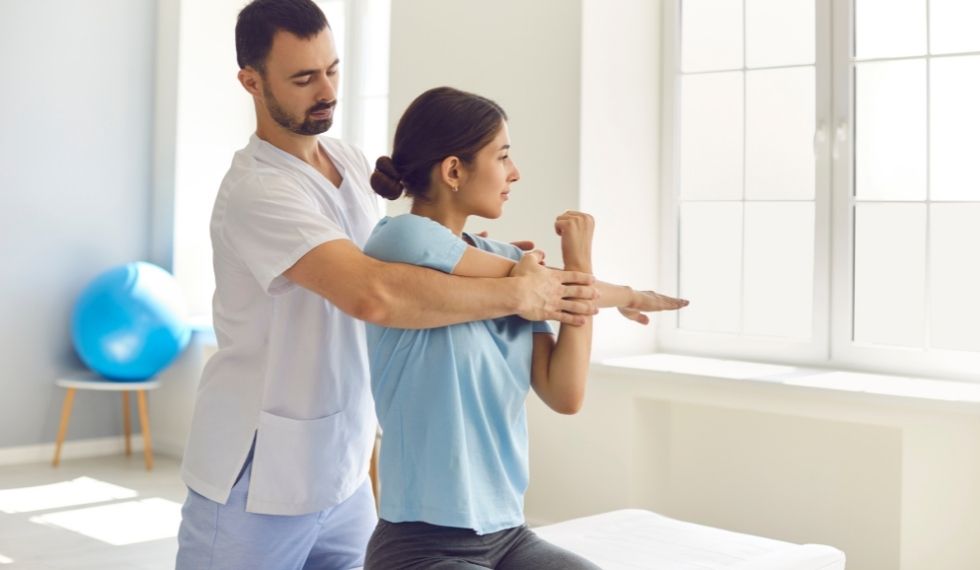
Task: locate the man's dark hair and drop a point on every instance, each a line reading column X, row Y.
column 259, row 21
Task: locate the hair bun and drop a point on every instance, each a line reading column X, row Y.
column 385, row 179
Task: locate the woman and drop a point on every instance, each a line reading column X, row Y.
column 450, row 400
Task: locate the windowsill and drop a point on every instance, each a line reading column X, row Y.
column 876, row 387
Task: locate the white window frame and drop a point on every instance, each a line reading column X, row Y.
column 845, row 352
column 830, row 344
column 671, row 337
column 363, row 21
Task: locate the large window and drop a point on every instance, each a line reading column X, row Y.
column 823, row 185
column 361, row 31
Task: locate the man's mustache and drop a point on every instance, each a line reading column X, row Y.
column 322, row 107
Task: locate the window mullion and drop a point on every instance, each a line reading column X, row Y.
column 823, row 198
column 841, row 166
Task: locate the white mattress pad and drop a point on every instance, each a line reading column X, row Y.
column 632, row 539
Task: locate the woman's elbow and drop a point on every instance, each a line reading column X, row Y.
column 568, row 408
column 569, row 405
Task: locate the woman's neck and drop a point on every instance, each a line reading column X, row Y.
column 441, row 212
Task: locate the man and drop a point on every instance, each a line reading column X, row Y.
column 283, row 428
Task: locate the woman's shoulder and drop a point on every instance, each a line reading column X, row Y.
column 417, row 240
column 409, row 226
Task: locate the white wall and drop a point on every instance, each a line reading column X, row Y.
column 891, row 481
column 620, row 156
column 75, row 157
column 526, row 57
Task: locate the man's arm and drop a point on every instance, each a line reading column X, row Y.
column 405, row 296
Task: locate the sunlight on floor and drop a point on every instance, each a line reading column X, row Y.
column 80, row 491
column 120, row 523
column 5, row 560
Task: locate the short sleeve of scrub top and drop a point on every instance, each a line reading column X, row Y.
column 272, row 225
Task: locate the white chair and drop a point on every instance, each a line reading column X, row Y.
column 90, row 381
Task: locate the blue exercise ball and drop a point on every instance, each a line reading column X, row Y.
column 130, row 322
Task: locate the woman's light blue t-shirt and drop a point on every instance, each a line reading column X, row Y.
column 450, row 400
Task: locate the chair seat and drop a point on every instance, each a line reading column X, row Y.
column 92, row 381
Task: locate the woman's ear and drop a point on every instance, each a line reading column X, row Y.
column 451, row 172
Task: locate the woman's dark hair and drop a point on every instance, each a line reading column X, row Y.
column 259, row 21
column 440, row 122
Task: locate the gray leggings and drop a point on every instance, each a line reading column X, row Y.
column 418, row 545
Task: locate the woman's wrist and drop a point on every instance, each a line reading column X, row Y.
column 580, row 267
column 631, row 297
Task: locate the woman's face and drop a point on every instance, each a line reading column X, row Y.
column 485, row 185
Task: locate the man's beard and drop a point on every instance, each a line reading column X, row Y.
column 308, row 126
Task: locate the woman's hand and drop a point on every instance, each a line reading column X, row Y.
column 647, row 302
column 576, row 229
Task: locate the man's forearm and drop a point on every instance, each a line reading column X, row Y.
column 413, row 297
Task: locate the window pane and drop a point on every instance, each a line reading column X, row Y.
column 953, row 26
column 375, row 47
column 710, row 268
column 955, row 276
column 955, row 124
column 711, row 136
column 890, row 130
column 711, row 35
column 779, row 128
column 779, row 32
column 334, row 11
column 889, row 274
column 889, row 28
column 374, row 128
column 779, row 269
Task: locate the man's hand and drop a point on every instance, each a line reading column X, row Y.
column 564, row 296
column 650, row 301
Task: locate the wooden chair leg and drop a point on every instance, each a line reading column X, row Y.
column 63, row 428
column 145, row 428
column 127, row 429
column 373, row 472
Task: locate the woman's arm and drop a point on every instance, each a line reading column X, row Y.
column 630, row 302
column 559, row 369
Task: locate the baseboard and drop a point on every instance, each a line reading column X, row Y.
column 170, row 448
column 72, row 449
